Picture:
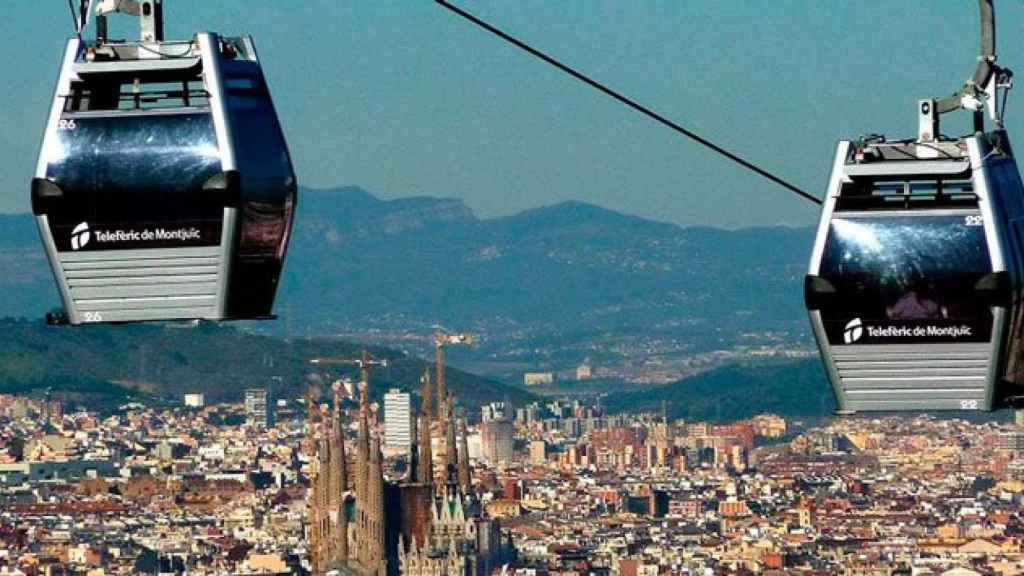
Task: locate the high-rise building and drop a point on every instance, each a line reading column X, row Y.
column 527, row 414
column 258, row 408
column 494, row 411
column 538, row 452
column 1012, row 441
column 497, row 441
column 397, row 420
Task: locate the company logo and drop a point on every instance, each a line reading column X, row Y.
column 101, row 237
column 80, row 236
column 853, row 331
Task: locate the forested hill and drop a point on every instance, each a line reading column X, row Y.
column 729, row 393
column 218, row 360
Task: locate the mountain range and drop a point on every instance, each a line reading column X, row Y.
column 572, row 266
column 545, row 287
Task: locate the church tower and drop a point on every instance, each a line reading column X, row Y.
column 425, row 468
column 450, row 449
column 317, row 494
column 465, row 478
column 338, row 484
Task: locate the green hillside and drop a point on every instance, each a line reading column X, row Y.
column 737, row 392
column 220, row 361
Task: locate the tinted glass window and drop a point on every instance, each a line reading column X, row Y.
column 113, row 95
column 266, row 169
column 134, row 166
column 268, row 194
column 133, row 170
column 260, row 148
column 908, row 278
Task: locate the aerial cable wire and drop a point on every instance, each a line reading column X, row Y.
column 87, row 16
column 627, row 101
column 75, row 19
column 82, row 16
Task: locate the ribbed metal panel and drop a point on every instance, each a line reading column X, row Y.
column 918, row 377
column 136, row 285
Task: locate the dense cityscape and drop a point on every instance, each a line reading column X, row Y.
column 332, row 483
column 225, row 275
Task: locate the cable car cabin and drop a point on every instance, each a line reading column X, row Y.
column 164, row 189
column 914, row 288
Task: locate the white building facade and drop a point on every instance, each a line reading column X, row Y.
column 397, row 420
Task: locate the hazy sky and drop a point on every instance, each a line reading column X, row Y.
column 402, row 98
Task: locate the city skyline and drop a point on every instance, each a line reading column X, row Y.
column 764, row 494
column 522, row 330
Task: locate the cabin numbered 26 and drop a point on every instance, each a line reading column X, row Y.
column 164, row 188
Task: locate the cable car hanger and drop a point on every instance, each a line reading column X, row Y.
column 980, row 92
column 916, row 276
column 982, row 88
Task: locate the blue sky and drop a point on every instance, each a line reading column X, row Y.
column 402, row 98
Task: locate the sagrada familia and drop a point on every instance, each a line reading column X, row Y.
column 429, row 523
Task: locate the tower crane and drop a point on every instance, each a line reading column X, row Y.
column 364, row 363
column 442, row 339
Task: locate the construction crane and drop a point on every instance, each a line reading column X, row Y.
column 442, row 339
column 364, row 363
column 364, row 360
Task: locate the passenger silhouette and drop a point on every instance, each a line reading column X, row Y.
column 917, row 304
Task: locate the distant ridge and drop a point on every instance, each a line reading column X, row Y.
column 570, row 266
column 357, row 260
column 566, row 274
column 738, row 392
column 574, row 214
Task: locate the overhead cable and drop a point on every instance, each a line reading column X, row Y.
column 627, row 101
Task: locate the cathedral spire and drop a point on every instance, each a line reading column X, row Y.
column 338, row 457
column 316, row 512
column 426, row 401
column 442, row 388
column 339, row 483
column 363, row 473
column 425, row 459
column 450, row 447
column 373, row 541
column 465, row 479
column 363, row 443
column 414, row 451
